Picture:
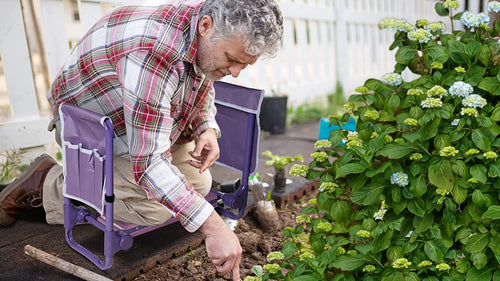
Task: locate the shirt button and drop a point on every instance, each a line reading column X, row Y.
column 194, row 88
column 183, row 117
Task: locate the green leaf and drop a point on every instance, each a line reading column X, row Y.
column 496, row 276
column 476, row 242
column 436, row 53
column 472, row 48
column 346, row 262
column 433, row 251
column 441, row 10
column 479, row 275
column 351, row 168
column 418, row 186
column 493, row 213
column 484, row 55
column 343, row 277
column 490, row 84
column 397, row 151
column 368, row 194
column 458, row 52
column 380, row 169
column 441, row 175
column 258, row 270
column 405, row 55
column 495, row 115
column 479, row 260
column 417, row 207
column 393, row 102
column 289, row 249
column 340, row 211
column 308, row 277
column 480, row 140
column 459, row 194
column 412, row 276
column 423, row 224
column 479, row 173
column 383, row 241
column 474, row 75
column 431, row 130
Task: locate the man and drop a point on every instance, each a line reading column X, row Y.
column 150, row 67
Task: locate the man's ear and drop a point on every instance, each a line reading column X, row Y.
column 205, row 26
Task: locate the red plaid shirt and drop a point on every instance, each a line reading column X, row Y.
column 136, row 65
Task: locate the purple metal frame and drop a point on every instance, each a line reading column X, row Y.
column 118, row 235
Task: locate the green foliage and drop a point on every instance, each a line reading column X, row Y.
column 414, row 194
column 11, row 166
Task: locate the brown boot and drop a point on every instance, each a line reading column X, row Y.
column 26, row 192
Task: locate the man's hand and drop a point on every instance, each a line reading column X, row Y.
column 223, row 246
column 206, row 150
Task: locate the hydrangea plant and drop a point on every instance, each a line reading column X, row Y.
column 415, row 193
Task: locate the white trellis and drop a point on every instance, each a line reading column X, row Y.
column 325, row 41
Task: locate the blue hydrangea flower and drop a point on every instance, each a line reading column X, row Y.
column 392, row 79
column 474, row 20
column 455, row 122
column 400, row 179
column 461, row 89
column 474, row 101
column 494, row 6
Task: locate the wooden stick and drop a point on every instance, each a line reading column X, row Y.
column 63, row 265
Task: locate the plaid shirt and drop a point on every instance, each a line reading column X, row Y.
column 136, row 65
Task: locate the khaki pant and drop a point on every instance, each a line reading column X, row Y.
column 132, row 204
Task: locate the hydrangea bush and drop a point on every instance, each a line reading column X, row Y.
column 414, row 193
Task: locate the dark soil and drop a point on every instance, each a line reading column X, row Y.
column 256, row 242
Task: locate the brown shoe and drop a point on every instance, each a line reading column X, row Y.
column 26, row 192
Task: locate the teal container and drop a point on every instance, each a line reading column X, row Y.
column 325, row 129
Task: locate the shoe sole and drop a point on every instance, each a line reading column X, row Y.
column 28, row 173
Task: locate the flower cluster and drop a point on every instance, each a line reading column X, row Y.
column 400, row 179
column 364, row 233
column 379, row 215
column 474, row 101
column 392, row 79
column 443, row 267
column 424, row 263
column 415, row 92
column 319, row 156
column 469, row 111
column 328, row 187
column 410, row 121
column 372, row 114
column 494, row 6
column 416, row 156
column 303, row 218
column 461, row 89
column 395, row 25
column 448, row 151
column 272, row 268
column 437, row 91
column 472, row 20
column 322, row 144
column 431, row 103
column 451, row 4
column 369, row 268
column 437, row 27
column 324, row 226
column 275, row 256
column 298, row 170
column 400, row 263
column 421, row 35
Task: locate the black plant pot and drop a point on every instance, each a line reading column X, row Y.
column 273, row 114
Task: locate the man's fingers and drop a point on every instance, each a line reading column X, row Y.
column 236, row 273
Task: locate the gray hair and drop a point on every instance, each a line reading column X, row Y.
column 258, row 22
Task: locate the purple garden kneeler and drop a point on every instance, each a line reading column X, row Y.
column 87, row 144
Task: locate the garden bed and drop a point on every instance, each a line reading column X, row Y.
column 256, row 244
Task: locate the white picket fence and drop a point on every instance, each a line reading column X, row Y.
column 325, row 41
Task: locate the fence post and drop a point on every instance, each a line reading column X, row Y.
column 340, row 38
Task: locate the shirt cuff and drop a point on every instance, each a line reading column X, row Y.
column 195, row 222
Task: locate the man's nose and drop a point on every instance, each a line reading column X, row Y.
column 236, row 69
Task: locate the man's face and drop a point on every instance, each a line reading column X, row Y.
column 218, row 58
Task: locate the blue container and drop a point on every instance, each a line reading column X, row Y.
column 325, row 129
